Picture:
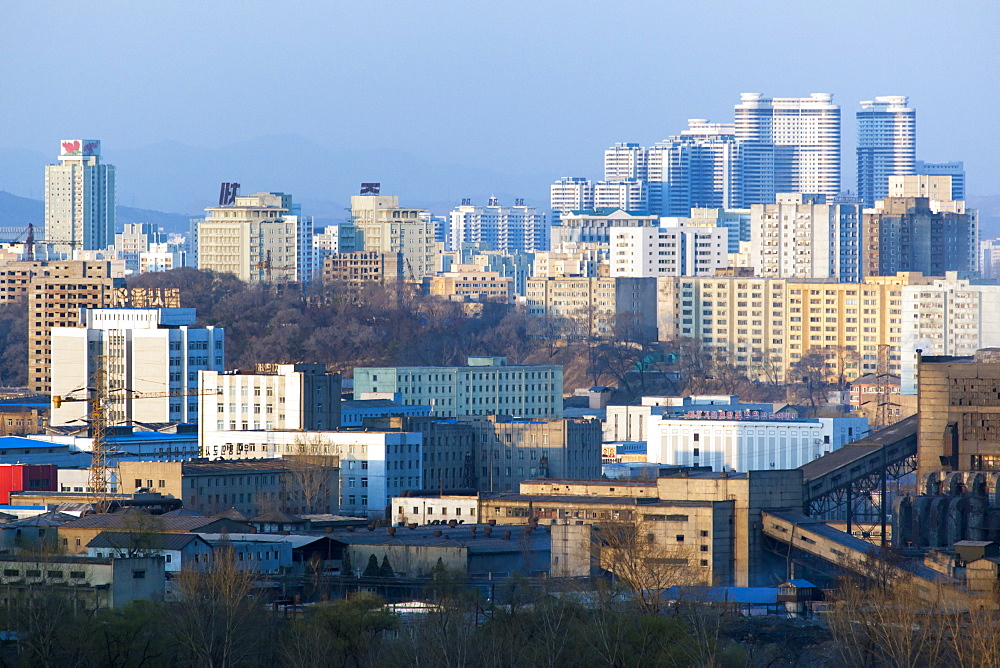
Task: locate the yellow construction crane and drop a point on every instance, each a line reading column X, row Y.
column 98, row 396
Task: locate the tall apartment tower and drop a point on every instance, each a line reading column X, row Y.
column 887, row 145
column 625, row 161
column 504, row 228
column 790, row 145
column 570, row 193
column 381, row 225
column 259, row 237
column 697, row 168
column 955, row 169
column 80, row 198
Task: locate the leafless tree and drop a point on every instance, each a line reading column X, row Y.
column 312, row 470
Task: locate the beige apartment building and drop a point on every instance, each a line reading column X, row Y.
column 363, row 267
column 383, row 226
column 470, row 282
column 766, row 325
column 590, row 306
column 259, row 237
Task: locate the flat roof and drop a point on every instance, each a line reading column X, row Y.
column 458, row 536
column 638, row 502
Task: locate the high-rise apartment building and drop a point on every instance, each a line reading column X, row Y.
column 595, row 306
column 956, row 170
column 79, row 198
column 504, row 228
column 624, row 161
column 141, row 351
column 919, row 234
column 593, row 226
column 570, row 193
column 628, row 194
column 789, row 145
column 672, row 250
column 382, row 225
column 700, row 167
column 801, row 236
column 135, row 239
column 887, row 145
column 260, row 238
column 57, row 292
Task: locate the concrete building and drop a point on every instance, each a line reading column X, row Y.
column 746, row 440
column 185, row 552
column 133, row 240
column 956, row 170
column 801, row 236
column 163, row 257
column 789, row 145
column 374, row 466
column 989, row 258
column 511, row 451
column 570, row 193
column 381, row 225
column 736, row 221
column 307, row 483
column 629, row 423
column 887, row 145
column 276, row 396
column 937, row 188
column 627, row 194
column 673, row 250
column 469, row 282
column 504, row 228
column 141, row 351
column 958, row 401
column 594, row 306
column 259, row 238
column 593, row 226
column 95, row 583
column 362, row 267
column 79, row 198
column 576, row 259
column 435, row 509
column 700, row 167
column 625, row 160
column 56, row 294
column 765, row 325
column 919, row 234
column 486, row 386
column 950, row 316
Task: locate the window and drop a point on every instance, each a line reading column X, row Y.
column 141, row 575
column 76, row 575
column 704, row 534
column 10, row 572
column 680, row 538
column 55, row 574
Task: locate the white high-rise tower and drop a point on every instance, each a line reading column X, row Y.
column 789, row 144
column 80, row 198
column 887, row 145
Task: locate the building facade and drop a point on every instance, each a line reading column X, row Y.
column 592, row 226
column 887, row 145
column 790, row 145
column 674, row 250
column 140, row 352
column 582, row 307
column 79, row 198
column 700, row 167
column 486, row 386
column 504, row 228
column 382, row 226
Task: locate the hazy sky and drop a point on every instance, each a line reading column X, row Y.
column 515, row 88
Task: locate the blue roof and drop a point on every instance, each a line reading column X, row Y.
column 152, row 436
column 10, row 442
column 745, row 595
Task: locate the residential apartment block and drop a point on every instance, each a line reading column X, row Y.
column 700, row 167
column 593, row 226
column 486, row 386
column 801, row 236
column 470, row 282
column 676, row 249
column 79, row 198
column 382, row 226
column 504, row 228
column 594, row 306
column 887, row 145
column 362, row 267
column 140, row 352
column 765, row 325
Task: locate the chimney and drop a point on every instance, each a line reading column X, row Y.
column 453, row 523
column 492, row 523
column 392, row 531
column 506, row 534
column 437, row 533
column 488, row 531
column 350, row 527
column 473, row 532
column 329, row 529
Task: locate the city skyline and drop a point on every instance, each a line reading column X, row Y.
column 428, row 62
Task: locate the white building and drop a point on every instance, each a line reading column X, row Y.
column 435, row 509
column 952, row 316
column 989, row 258
column 133, row 241
column 746, row 440
column 676, row 250
column 593, row 226
column 374, row 466
column 887, row 145
column 155, row 352
column 570, row 193
column 278, row 396
column 487, row 386
column 698, row 168
column 624, row 161
column 162, row 257
column 628, row 194
column 259, row 237
column 789, row 145
column 737, row 221
column 79, row 198
column 504, row 228
column 801, row 236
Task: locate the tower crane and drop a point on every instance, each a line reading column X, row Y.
column 265, row 266
column 98, row 395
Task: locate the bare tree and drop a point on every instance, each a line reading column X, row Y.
column 312, row 468
column 808, row 378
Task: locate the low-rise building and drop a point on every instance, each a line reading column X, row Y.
column 179, row 551
column 435, row 509
column 470, row 282
column 595, row 306
column 94, row 583
column 363, row 267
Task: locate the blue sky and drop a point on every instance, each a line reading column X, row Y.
column 519, row 93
